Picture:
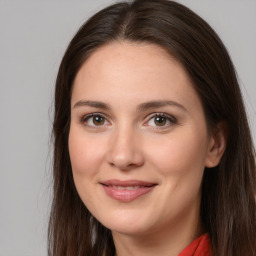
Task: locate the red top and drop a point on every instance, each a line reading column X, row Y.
column 199, row 247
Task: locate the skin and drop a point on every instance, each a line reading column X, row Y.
column 128, row 143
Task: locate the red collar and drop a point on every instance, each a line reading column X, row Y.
column 199, row 247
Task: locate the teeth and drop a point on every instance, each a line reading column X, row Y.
column 131, row 188
column 127, row 187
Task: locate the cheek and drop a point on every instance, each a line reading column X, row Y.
column 180, row 162
column 181, row 153
column 86, row 153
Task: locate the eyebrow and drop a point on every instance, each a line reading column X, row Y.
column 142, row 107
column 158, row 104
column 90, row 103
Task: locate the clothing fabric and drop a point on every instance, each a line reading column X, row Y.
column 199, row 247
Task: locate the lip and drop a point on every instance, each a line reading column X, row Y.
column 127, row 190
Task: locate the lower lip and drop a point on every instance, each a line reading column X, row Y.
column 126, row 195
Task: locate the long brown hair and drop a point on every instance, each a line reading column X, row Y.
column 228, row 208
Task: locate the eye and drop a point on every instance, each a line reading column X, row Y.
column 161, row 120
column 94, row 120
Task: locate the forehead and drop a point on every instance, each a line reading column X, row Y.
column 130, row 57
column 132, row 71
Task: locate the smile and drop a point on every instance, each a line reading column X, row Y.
column 127, row 191
column 126, row 188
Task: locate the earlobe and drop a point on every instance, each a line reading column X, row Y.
column 217, row 145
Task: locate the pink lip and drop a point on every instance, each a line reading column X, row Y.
column 126, row 191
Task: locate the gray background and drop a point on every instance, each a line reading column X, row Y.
column 33, row 37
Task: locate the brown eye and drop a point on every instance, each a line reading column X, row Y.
column 98, row 120
column 160, row 120
column 94, row 120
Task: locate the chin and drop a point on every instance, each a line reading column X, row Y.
column 127, row 224
column 132, row 230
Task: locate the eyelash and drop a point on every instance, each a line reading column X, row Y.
column 87, row 117
column 170, row 119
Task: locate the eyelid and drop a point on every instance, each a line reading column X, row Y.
column 172, row 120
column 87, row 116
column 168, row 117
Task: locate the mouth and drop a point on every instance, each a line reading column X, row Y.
column 126, row 187
column 127, row 191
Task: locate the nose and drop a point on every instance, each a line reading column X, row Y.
column 125, row 150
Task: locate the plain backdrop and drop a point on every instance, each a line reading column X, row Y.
column 33, row 37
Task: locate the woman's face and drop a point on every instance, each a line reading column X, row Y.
column 138, row 139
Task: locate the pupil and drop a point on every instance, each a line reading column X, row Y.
column 160, row 121
column 97, row 120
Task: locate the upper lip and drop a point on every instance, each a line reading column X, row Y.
column 126, row 183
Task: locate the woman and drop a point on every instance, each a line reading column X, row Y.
column 153, row 154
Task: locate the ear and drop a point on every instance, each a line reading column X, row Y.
column 217, row 145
